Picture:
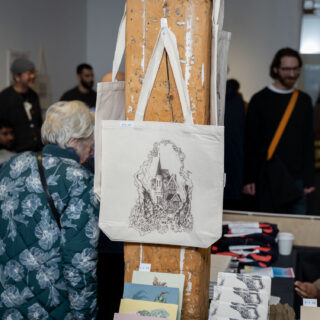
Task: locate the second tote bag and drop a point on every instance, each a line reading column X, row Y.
column 162, row 182
column 110, row 103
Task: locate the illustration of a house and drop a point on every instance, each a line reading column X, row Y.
column 164, row 189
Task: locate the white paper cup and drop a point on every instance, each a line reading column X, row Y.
column 285, row 242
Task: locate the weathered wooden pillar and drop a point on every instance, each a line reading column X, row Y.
column 190, row 20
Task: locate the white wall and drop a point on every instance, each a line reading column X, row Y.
column 60, row 26
column 259, row 28
column 103, row 19
column 75, row 31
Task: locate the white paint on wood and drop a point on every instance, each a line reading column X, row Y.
column 202, row 75
column 188, row 288
column 143, row 35
column 188, row 45
column 182, row 252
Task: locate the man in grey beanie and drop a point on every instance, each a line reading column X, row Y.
column 19, row 105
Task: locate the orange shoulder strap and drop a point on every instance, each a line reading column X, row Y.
column 283, row 123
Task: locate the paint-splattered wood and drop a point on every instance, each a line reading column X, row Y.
column 190, row 20
column 194, row 263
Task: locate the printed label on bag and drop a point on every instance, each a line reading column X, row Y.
column 127, row 124
column 145, row 267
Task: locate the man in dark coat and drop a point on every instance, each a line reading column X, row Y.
column 294, row 153
column 19, row 105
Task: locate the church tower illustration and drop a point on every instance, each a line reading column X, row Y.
column 164, row 189
column 164, row 201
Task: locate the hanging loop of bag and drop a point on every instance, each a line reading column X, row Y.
column 166, row 41
column 110, row 102
column 120, row 46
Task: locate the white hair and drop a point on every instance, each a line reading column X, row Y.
column 66, row 120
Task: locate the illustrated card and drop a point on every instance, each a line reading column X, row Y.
column 127, row 316
column 237, row 311
column 244, row 281
column 149, row 309
column 228, row 294
column 163, row 280
column 145, row 292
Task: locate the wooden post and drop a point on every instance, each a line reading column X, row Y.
column 190, row 20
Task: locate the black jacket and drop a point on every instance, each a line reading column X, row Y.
column 27, row 133
column 295, row 148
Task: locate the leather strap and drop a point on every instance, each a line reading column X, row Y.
column 46, row 190
column 283, row 123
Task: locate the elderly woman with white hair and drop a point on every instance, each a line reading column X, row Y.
column 48, row 223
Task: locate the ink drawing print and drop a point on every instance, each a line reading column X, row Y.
column 164, row 192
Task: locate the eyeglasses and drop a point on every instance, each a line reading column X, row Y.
column 287, row 70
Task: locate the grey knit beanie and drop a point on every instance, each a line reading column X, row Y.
column 21, row 65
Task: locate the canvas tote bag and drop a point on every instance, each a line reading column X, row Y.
column 219, row 64
column 224, row 38
column 110, row 103
column 162, row 183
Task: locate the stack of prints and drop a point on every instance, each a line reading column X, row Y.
column 152, row 295
column 239, row 296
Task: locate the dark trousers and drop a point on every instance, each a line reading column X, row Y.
column 110, row 273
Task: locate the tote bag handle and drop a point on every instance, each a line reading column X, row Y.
column 218, row 12
column 120, row 46
column 166, row 40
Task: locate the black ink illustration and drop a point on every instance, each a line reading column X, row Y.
column 246, row 311
column 165, row 192
column 252, row 283
column 248, row 297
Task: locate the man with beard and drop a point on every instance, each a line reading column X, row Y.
column 295, row 147
column 19, row 106
column 83, row 91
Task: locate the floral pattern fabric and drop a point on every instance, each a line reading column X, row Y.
column 47, row 273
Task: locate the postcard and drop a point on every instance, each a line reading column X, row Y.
column 244, row 281
column 227, row 294
column 149, row 309
column 171, row 280
column 277, row 272
column 124, row 316
column 145, row 292
column 237, row 311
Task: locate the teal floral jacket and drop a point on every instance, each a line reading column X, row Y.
column 46, row 273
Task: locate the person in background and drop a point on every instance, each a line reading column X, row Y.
column 83, row 91
column 6, row 141
column 47, row 260
column 295, row 149
column 234, row 134
column 19, row 105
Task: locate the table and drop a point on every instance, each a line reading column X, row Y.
column 284, row 287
